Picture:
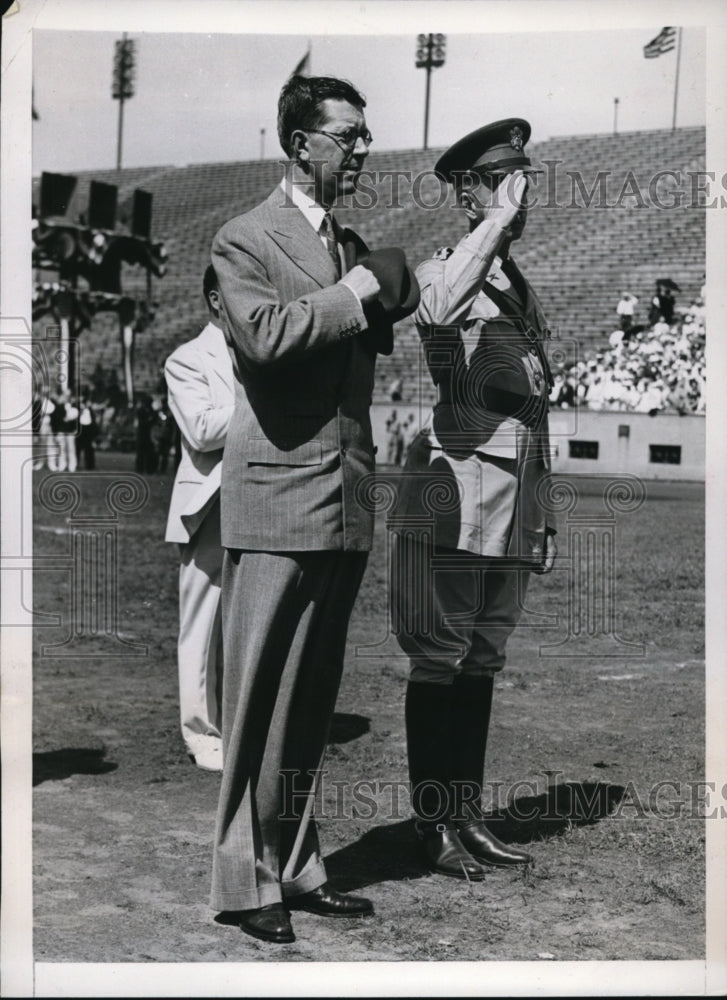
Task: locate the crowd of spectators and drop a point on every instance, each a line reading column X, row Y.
column 650, row 368
column 68, row 429
column 65, row 430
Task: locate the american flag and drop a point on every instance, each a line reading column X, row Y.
column 664, row 42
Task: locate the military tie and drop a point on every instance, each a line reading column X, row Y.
column 329, row 232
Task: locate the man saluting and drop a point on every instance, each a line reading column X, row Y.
column 306, row 321
column 469, row 528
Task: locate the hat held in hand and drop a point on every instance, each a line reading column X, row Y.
column 399, row 293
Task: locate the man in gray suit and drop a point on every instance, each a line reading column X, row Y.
column 305, row 325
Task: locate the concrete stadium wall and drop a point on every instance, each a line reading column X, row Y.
column 629, row 442
column 626, row 442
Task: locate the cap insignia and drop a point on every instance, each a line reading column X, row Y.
column 516, row 137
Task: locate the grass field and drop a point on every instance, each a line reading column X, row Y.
column 583, row 734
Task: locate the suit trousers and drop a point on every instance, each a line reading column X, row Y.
column 199, row 648
column 285, row 620
column 453, row 611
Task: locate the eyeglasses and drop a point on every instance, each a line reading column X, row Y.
column 347, row 140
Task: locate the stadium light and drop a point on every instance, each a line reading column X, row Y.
column 90, row 247
column 430, row 54
column 122, row 84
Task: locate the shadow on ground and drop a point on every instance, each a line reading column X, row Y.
column 539, row 817
column 347, row 726
column 390, row 852
column 55, row 765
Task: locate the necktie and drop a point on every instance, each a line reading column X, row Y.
column 329, row 233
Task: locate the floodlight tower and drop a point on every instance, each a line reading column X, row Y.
column 122, row 86
column 430, row 54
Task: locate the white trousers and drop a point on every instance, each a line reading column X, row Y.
column 199, row 649
column 66, row 459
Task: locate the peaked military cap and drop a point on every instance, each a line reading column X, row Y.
column 494, row 149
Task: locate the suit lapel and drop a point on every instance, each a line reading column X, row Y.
column 223, row 370
column 292, row 232
column 212, row 340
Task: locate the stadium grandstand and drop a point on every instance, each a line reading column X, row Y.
column 612, row 212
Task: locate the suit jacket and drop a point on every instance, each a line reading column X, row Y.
column 201, row 397
column 300, row 440
column 472, row 474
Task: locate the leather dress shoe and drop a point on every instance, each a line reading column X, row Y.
column 446, row 854
column 329, row 902
column 268, row 923
column 487, row 849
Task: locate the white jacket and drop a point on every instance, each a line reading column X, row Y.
column 201, row 388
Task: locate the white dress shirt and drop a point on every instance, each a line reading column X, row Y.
column 313, row 212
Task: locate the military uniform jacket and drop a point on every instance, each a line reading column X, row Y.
column 300, row 439
column 472, row 474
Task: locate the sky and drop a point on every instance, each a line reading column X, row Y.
column 204, row 98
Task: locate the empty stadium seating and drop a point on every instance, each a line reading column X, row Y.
column 579, row 257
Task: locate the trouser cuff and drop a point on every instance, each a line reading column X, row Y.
column 311, row 879
column 247, row 899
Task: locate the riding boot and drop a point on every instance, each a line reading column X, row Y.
column 470, row 720
column 428, row 724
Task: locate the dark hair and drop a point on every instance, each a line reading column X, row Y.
column 209, row 283
column 301, row 100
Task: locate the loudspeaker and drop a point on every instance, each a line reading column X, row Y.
column 141, row 218
column 102, row 205
column 56, row 194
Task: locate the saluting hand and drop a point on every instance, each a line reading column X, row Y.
column 507, row 199
column 363, row 282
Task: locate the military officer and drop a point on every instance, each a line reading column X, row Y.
column 468, row 528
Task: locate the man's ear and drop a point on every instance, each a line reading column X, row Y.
column 213, row 300
column 299, row 147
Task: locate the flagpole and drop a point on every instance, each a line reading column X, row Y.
column 676, row 81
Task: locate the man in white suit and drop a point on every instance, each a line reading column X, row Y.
column 200, row 381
